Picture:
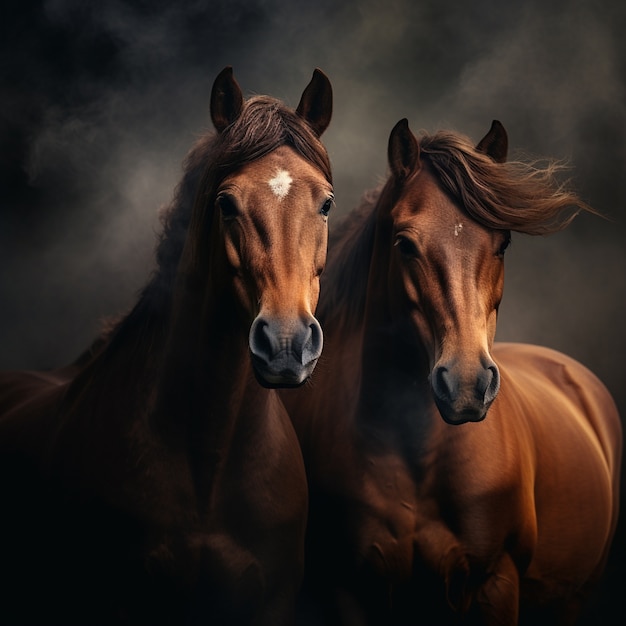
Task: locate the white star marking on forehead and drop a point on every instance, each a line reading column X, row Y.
column 280, row 184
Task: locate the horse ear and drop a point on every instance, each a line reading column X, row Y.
column 495, row 143
column 226, row 99
column 403, row 151
column 316, row 103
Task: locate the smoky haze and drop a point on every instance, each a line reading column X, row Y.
column 101, row 101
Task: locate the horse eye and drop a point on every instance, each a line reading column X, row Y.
column 227, row 207
column 504, row 245
column 327, row 206
column 406, row 247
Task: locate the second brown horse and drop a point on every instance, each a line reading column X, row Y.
column 452, row 480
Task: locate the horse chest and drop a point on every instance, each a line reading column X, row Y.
column 222, row 530
column 407, row 516
column 211, row 563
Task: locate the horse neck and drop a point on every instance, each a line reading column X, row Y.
column 207, row 384
column 208, row 403
column 394, row 362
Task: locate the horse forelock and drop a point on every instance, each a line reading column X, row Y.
column 526, row 197
column 265, row 124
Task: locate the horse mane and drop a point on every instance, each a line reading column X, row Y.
column 350, row 245
column 525, row 197
column 263, row 125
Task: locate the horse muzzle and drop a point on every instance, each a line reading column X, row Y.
column 463, row 396
column 284, row 352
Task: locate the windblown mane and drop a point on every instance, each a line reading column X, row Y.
column 525, row 197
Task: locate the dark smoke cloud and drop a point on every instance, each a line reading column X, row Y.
column 100, row 102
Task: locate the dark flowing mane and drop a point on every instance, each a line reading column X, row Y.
column 525, row 197
column 350, row 245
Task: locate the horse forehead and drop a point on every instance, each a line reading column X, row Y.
column 279, row 173
column 423, row 195
column 432, row 212
column 427, row 211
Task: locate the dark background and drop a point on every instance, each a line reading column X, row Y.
column 99, row 103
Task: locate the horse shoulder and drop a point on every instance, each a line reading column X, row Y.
column 563, row 386
column 574, row 444
column 487, row 473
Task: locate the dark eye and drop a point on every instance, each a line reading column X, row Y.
column 406, row 247
column 227, row 207
column 506, row 242
column 327, row 206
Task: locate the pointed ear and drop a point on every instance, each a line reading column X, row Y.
column 316, row 103
column 226, row 99
column 495, row 143
column 403, row 151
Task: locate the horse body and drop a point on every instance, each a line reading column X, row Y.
column 521, row 504
column 501, row 511
column 576, row 431
column 159, row 479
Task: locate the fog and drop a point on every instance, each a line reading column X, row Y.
column 101, row 101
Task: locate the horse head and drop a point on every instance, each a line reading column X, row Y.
column 448, row 269
column 270, row 215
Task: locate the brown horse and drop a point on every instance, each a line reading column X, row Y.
column 155, row 480
column 503, row 510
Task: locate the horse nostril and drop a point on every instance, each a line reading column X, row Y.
column 493, row 385
column 260, row 340
column 464, row 395
column 312, row 346
column 443, row 384
column 302, row 339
